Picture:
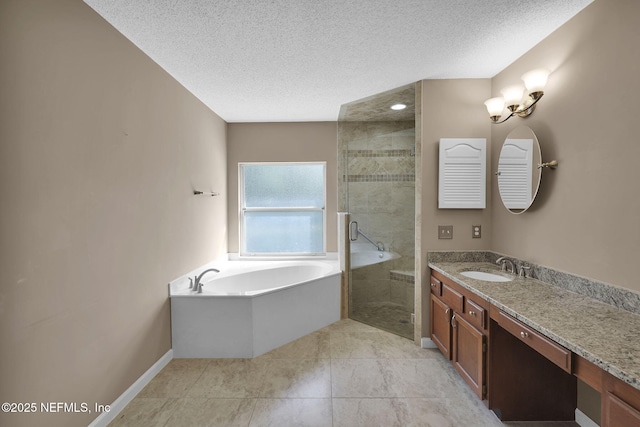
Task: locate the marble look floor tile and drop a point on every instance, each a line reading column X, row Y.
column 397, row 347
column 367, row 412
column 312, row 346
column 347, row 374
column 407, row 413
column 390, row 378
column 404, row 413
column 349, row 325
column 357, row 345
column 230, row 378
column 359, row 378
column 292, row 413
column 367, row 345
column 146, row 412
column 391, row 317
column 176, row 378
column 418, row 378
column 297, row 378
column 199, row 412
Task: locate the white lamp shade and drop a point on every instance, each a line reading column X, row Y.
column 512, row 95
column 536, row 80
column 494, row 106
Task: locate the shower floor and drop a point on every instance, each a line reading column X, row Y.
column 388, row 316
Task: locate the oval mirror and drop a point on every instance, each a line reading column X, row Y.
column 518, row 172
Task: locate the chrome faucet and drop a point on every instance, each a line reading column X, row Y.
column 503, row 261
column 197, row 285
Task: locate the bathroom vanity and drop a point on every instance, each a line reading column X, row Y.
column 521, row 344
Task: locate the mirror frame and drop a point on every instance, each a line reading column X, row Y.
column 522, row 132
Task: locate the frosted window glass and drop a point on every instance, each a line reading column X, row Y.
column 282, row 208
column 277, row 232
column 298, row 185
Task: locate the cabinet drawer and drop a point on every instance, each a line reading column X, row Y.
column 543, row 345
column 452, row 298
column 436, row 286
column 617, row 412
column 620, row 403
column 474, row 314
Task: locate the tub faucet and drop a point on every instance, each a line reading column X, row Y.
column 197, row 285
column 503, row 261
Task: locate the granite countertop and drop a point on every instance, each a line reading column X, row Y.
column 605, row 335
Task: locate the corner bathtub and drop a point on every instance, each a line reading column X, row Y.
column 252, row 307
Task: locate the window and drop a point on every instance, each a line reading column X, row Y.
column 282, row 208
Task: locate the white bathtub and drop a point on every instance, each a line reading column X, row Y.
column 252, row 307
column 364, row 254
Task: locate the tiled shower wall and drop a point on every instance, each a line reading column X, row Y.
column 377, row 174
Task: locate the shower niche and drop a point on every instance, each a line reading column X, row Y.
column 377, row 188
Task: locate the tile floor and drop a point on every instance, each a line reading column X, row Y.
column 394, row 318
column 347, row 374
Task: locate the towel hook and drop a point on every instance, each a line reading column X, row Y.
column 205, row 193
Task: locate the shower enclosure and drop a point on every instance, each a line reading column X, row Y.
column 377, row 188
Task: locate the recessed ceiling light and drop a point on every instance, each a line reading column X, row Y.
column 398, row 106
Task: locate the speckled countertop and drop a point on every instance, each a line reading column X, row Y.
column 605, row 335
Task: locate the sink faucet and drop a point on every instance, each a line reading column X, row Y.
column 197, row 285
column 503, row 261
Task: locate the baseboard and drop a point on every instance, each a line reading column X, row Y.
column 583, row 421
column 123, row 400
column 427, row 343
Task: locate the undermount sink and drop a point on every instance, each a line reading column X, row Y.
column 487, row 277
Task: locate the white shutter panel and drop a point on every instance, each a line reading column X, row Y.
column 462, row 176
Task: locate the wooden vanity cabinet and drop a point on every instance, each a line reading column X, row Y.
column 522, row 374
column 459, row 329
column 468, row 354
column 620, row 403
column 441, row 326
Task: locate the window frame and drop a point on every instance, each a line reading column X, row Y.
column 242, row 209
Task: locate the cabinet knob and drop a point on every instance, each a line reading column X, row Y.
column 524, row 334
column 472, row 313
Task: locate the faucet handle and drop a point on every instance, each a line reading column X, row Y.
column 524, row 270
column 190, row 283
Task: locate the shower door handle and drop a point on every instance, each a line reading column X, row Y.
column 353, row 231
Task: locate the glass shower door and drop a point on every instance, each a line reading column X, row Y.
column 378, row 179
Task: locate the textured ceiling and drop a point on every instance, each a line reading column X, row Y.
column 376, row 108
column 299, row 60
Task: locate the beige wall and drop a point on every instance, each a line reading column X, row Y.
column 585, row 220
column 283, row 142
column 100, row 150
column 450, row 109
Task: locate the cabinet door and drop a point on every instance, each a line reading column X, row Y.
column 617, row 412
column 468, row 355
column 441, row 325
column 620, row 403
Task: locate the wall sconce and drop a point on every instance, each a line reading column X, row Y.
column 534, row 81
